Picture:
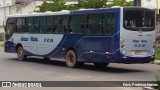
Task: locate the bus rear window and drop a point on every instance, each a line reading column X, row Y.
column 139, row 19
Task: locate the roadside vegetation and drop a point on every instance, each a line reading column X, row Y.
column 157, row 52
column 58, row 5
column 157, row 76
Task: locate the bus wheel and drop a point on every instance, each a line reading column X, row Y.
column 100, row 64
column 20, row 54
column 71, row 59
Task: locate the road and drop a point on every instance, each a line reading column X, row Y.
column 37, row 69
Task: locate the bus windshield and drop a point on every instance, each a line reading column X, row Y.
column 139, row 19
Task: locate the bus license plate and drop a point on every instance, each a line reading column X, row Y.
column 138, row 52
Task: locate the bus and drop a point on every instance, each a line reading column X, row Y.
column 99, row 36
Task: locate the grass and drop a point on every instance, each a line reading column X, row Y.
column 157, row 80
column 157, row 52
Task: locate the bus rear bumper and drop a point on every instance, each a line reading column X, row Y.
column 132, row 60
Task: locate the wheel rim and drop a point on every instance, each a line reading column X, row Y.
column 20, row 53
column 70, row 59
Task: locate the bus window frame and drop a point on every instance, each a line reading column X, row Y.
column 40, row 31
column 49, row 25
column 137, row 28
column 115, row 22
column 38, row 24
column 69, row 24
column 54, row 25
column 103, row 32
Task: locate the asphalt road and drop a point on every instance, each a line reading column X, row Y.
column 37, row 69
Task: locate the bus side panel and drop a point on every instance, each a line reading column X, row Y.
column 68, row 41
column 83, row 44
column 94, row 48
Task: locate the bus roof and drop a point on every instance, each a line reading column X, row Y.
column 65, row 12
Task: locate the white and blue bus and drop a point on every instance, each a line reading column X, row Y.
column 99, row 36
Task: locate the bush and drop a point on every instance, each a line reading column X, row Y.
column 157, row 51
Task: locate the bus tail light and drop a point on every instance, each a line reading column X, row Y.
column 122, row 45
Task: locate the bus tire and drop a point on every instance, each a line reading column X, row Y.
column 20, row 53
column 100, row 64
column 71, row 59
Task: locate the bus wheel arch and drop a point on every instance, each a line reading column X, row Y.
column 18, row 45
column 20, row 52
column 71, row 57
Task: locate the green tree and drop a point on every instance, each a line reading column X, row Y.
column 58, row 5
column 92, row 3
column 120, row 3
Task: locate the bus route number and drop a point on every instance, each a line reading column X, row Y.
column 48, row 40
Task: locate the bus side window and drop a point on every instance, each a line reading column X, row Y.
column 101, row 26
column 42, row 25
column 60, row 24
column 36, row 24
column 64, row 24
column 93, row 23
column 110, row 22
column 49, row 24
column 76, row 23
column 19, row 25
column 56, row 20
column 24, row 26
column 69, row 25
column 30, row 25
